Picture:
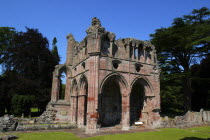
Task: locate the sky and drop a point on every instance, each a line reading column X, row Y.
column 125, row 18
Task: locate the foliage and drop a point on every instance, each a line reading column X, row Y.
column 8, row 81
column 22, row 104
column 179, row 46
column 200, row 84
column 62, row 91
column 6, row 36
column 28, row 65
column 55, row 51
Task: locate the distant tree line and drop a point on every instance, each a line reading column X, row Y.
column 185, row 80
column 27, row 66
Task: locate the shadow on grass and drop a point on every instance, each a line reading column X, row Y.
column 36, row 114
column 194, row 138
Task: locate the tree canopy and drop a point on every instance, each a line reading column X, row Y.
column 181, row 45
column 28, row 64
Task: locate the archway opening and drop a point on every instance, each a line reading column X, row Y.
column 62, row 79
column 110, row 110
column 137, row 99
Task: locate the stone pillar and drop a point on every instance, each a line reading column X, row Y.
column 68, row 87
column 111, row 38
column 81, row 106
column 81, row 110
column 95, row 33
column 133, row 52
column 74, row 109
column 125, row 111
column 128, row 51
column 70, row 49
column 55, row 87
column 145, row 57
column 111, row 48
column 92, row 100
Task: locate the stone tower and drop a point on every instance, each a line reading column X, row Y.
column 108, row 82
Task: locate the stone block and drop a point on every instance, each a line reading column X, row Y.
column 206, row 116
column 31, row 121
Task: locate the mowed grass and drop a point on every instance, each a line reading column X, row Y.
column 34, row 109
column 198, row 133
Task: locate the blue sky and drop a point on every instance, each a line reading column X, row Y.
column 126, row 18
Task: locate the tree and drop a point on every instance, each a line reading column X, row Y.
column 32, row 61
column 22, row 104
column 8, row 85
column 180, row 45
column 55, row 51
column 200, row 84
column 6, row 36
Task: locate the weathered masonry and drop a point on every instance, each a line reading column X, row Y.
column 108, row 82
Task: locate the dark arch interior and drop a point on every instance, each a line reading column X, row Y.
column 136, row 101
column 110, row 107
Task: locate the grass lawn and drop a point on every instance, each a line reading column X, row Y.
column 198, row 133
column 34, row 109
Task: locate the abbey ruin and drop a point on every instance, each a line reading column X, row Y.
column 108, row 82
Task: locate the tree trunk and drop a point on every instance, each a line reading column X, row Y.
column 187, row 94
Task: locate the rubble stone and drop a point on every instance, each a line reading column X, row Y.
column 7, row 123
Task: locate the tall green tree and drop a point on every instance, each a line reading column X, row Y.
column 33, row 63
column 6, row 36
column 180, row 45
column 200, row 84
column 55, row 51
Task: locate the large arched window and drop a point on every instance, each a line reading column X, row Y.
column 62, row 86
column 62, row 83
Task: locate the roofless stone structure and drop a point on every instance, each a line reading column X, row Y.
column 108, row 82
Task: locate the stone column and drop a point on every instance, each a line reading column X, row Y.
column 125, row 111
column 95, row 33
column 111, row 38
column 133, row 52
column 81, row 110
column 55, row 87
column 92, row 100
column 70, row 49
column 145, row 57
column 111, row 48
column 81, row 107
column 74, row 109
column 128, row 51
column 68, row 86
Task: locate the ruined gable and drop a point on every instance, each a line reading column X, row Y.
column 109, row 82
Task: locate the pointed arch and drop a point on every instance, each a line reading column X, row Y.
column 145, row 82
column 83, row 82
column 122, row 81
column 74, row 89
column 112, row 89
column 141, row 88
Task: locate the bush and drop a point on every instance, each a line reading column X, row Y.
column 22, row 104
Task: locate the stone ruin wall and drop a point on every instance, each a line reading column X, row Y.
column 94, row 61
column 99, row 67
